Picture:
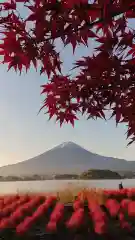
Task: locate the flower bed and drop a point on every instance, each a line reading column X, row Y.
column 42, row 217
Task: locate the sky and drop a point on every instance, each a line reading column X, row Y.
column 24, row 134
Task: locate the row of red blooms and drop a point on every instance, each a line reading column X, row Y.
column 21, row 213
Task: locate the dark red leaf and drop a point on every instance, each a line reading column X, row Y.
column 105, row 77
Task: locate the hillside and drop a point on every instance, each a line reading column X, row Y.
column 99, row 174
column 66, row 158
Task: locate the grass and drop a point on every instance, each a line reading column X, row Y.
column 71, row 191
column 68, row 194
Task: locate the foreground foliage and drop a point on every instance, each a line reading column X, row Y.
column 105, row 80
column 34, row 216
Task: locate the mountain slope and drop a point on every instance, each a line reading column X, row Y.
column 68, row 157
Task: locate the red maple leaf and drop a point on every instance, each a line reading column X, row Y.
column 104, row 80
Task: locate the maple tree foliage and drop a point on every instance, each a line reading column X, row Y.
column 104, row 81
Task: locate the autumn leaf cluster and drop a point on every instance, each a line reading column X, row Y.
column 104, row 81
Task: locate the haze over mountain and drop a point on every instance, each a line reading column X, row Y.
column 68, row 157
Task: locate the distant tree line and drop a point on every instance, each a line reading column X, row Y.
column 90, row 174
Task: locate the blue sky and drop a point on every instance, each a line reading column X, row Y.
column 24, row 134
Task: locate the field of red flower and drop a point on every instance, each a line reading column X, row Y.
column 41, row 217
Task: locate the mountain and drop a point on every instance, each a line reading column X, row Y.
column 66, row 158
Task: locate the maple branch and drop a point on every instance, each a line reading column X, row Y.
column 90, row 25
column 90, row 91
column 101, row 20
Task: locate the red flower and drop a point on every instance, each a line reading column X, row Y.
column 51, row 226
column 131, row 193
column 77, row 204
column 24, row 226
column 76, row 219
column 131, row 209
column 58, row 212
column 113, row 207
column 124, row 203
column 99, row 216
column 4, row 223
column 100, row 227
column 121, row 217
column 16, row 214
column 56, row 216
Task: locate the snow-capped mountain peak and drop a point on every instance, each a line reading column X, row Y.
column 66, row 144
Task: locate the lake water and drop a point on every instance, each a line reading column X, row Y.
column 55, row 185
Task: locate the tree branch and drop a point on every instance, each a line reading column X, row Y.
column 92, row 24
